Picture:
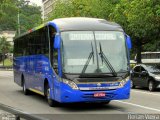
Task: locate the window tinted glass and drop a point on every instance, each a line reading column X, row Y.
column 33, row 43
column 137, row 69
column 142, row 69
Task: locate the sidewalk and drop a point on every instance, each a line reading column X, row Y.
column 6, row 116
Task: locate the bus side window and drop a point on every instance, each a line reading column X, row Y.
column 54, row 52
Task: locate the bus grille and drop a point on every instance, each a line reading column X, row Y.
column 90, row 80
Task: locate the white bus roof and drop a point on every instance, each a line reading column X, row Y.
column 147, row 61
column 149, row 52
column 150, row 60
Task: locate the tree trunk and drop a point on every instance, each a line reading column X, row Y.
column 3, row 58
column 139, row 50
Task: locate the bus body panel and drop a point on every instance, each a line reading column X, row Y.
column 35, row 69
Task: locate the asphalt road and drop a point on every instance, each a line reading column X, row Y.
column 141, row 102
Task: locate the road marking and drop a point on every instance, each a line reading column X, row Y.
column 145, row 92
column 149, row 108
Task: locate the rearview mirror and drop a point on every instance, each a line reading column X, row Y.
column 128, row 41
column 57, row 42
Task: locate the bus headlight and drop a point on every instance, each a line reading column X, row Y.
column 124, row 81
column 71, row 84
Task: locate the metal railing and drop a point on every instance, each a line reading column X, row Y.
column 20, row 114
column 6, row 67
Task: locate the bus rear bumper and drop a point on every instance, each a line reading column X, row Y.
column 70, row 96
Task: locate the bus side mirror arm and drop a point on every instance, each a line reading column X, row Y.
column 57, row 42
column 128, row 41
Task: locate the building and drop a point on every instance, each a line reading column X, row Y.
column 47, row 8
column 9, row 35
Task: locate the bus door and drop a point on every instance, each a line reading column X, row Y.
column 56, row 82
column 54, row 62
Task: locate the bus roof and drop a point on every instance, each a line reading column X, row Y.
column 79, row 23
column 83, row 23
column 149, row 52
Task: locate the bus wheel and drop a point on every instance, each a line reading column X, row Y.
column 25, row 91
column 51, row 102
column 151, row 86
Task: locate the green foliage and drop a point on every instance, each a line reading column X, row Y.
column 11, row 49
column 29, row 15
column 7, row 62
column 139, row 18
column 7, row 8
column 82, row 8
column 4, row 46
column 152, row 46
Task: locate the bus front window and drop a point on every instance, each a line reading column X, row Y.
column 82, row 52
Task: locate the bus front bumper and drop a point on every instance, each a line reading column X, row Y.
column 69, row 95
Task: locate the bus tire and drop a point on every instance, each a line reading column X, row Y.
column 51, row 102
column 25, row 90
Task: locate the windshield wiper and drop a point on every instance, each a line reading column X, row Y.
column 106, row 61
column 88, row 60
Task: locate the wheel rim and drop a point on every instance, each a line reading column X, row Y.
column 150, row 86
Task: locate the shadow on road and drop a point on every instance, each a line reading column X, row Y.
column 84, row 107
column 145, row 89
column 77, row 107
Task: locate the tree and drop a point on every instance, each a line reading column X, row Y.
column 4, row 47
column 7, row 13
column 82, row 8
column 140, row 20
column 29, row 15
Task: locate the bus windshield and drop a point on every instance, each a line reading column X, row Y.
column 93, row 52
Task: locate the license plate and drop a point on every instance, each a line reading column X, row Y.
column 99, row 94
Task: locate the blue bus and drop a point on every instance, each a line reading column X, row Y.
column 74, row 60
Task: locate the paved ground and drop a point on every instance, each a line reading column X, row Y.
column 141, row 102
